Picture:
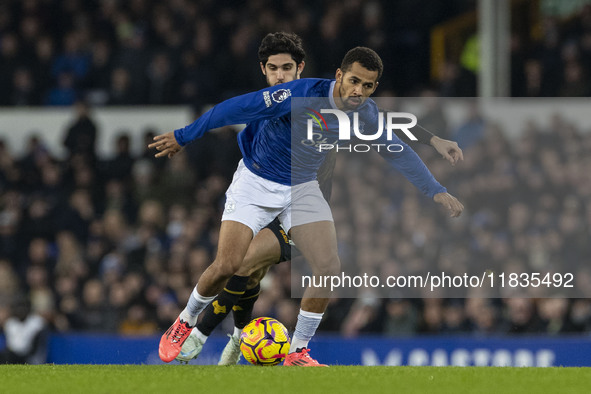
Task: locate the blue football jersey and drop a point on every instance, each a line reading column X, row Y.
column 275, row 142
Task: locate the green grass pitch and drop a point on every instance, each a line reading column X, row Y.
column 190, row 379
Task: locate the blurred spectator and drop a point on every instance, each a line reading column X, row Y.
column 554, row 314
column 575, row 81
column 8, row 64
column 483, row 316
column 9, row 281
column 74, row 60
column 80, row 137
column 362, row 317
column 41, row 68
column 401, row 317
column 99, row 76
column 26, row 335
column 454, row 317
column 64, row 93
column 137, row 323
column 432, row 319
column 119, row 167
column 24, row 91
column 432, row 117
column 92, row 315
column 161, row 89
column 120, row 92
column 472, row 130
column 580, row 315
column 522, row 317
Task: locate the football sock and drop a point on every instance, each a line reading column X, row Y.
column 201, row 335
column 237, row 332
column 242, row 311
column 196, row 304
column 222, row 304
column 305, row 329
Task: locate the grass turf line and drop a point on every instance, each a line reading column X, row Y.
column 144, row 379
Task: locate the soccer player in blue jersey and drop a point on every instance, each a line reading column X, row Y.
column 262, row 187
column 281, row 58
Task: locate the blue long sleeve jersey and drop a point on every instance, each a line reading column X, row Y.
column 274, row 143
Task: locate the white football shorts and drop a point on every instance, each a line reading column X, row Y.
column 256, row 202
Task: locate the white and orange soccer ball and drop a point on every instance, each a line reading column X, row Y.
column 264, row 341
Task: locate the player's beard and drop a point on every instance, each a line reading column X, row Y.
column 295, row 76
column 345, row 100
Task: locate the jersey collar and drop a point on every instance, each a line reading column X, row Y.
column 330, row 95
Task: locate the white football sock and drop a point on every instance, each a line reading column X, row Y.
column 237, row 332
column 200, row 335
column 305, row 329
column 196, row 304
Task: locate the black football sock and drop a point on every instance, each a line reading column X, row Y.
column 222, row 304
column 242, row 311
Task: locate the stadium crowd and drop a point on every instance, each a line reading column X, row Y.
column 150, row 52
column 116, row 245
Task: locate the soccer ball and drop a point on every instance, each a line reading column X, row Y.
column 264, row 341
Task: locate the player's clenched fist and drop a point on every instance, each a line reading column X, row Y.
column 449, row 202
column 166, row 145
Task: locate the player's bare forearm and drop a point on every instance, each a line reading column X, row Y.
column 452, row 204
column 448, row 149
column 166, row 145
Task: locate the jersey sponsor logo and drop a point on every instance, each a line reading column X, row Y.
column 280, row 95
column 230, row 206
column 267, row 98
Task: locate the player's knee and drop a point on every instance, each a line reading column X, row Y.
column 329, row 265
column 225, row 268
column 252, row 283
column 256, row 277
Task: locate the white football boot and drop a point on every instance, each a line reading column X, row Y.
column 231, row 353
column 191, row 348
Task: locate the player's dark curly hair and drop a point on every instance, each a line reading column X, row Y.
column 281, row 42
column 367, row 57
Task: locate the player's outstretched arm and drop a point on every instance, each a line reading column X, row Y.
column 166, row 145
column 448, row 149
column 453, row 205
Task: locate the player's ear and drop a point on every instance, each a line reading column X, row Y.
column 375, row 86
column 339, row 75
column 263, row 68
column 301, row 68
